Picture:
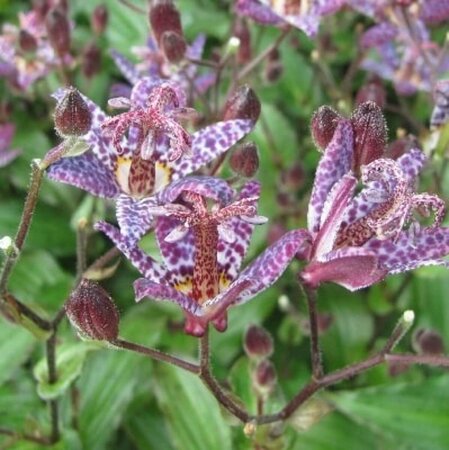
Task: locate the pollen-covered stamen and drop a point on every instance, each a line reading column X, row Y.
column 156, row 120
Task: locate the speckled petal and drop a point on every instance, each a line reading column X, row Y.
column 434, row 11
column 210, row 187
column 440, row 113
column 146, row 265
column 230, row 254
column 334, row 164
column 411, row 163
column 209, row 143
column 154, row 291
column 258, row 12
column 133, row 217
column 378, row 35
column 85, row 172
column 271, row 264
column 351, row 267
column 126, row 67
column 410, row 251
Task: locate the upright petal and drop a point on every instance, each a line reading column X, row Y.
column 146, row 265
column 411, row 250
column 411, row 163
column 126, row 67
column 334, row 164
column 133, row 217
column 209, row 143
column 271, row 264
column 85, row 172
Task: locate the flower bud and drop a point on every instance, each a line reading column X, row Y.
column 428, row 342
column 173, row 46
column 258, row 343
column 58, row 30
column 370, row 134
column 373, row 91
column 244, row 160
column 40, row 7
column 293, row 177
column 323, row 125
column 164, row 17
column 92, row 312
column 241, row 31
column 27, row 42
column 401, row 146
column 72, row 115
column 99, row 19
column 242, row 104
column 91, row 64
column 264, row 377
column 273, row 71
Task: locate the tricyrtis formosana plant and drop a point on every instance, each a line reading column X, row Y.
column 207, row 154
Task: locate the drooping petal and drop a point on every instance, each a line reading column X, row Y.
column 133, row 217
column 210, row 187
column 209, row 143
column 351, row 267
column 154, row 291
column 412, row 250
column 85, row 172
column 334, row 164
column 126, row 67
column 230, row 254
column 146, row 265
column 258, row 12
column 271, row 264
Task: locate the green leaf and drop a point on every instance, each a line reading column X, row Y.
column 69, row 363
column 194, row 417
column 15, row 347
column 416, row 416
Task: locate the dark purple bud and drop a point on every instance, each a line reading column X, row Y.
column 72, row 115
column 370, row 134
column 92, row 312
column 373, row 91
column 58, row 30
column 173, row 46
column 428, row 342
column 323, row 124
column 41, row 7
column 258, row 343
column 293, row 177
column 265, row 376
column 91, row 64
column 99, row 19
column 241, row 31
column 27, row 42
column 242, row 104
column 273, row 71
column 244, row 160
column 164, row 16
column 401, row 146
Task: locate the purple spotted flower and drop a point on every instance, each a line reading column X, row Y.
column 132, row 177
column 26, row 54
column 203, row 247
column 356, row 240
column 6, row 135
column 305, row 15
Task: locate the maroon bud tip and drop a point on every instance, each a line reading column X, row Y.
column 428, row 342
column 173, row 46
column 242, row 104
column 293, row 177
column 244, row 160
column 258, row 343
column 265, row 376
column 164, row 17
column 58, row 30
column 99, row 19
column 323, row 125
column 373, row 91
column 241, row 31
column 273, row 71
column 91, row 64
column 27, row 42
column 72, row 115
column 370, row 134
column 92, row 312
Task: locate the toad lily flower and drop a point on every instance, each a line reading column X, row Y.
column 357, row 241
column 203, row 249
column 6, row 135
column 124, row 174
column 305, row 15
